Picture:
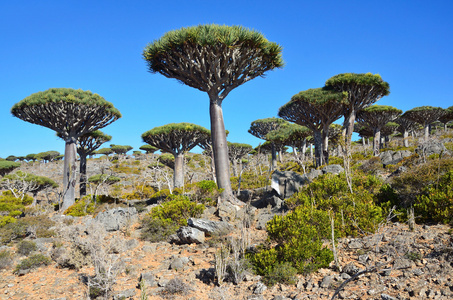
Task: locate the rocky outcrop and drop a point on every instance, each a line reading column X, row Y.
column 115, row 219
column 393, row 157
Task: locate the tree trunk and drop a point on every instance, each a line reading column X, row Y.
column 406, row 138
column 349, row 128
column 274, row 158
column 376, row 141
column 69, row 173
column 83, row 175
column 235, row 167
column 318, row 147
column 426, row 132
column 178, row 175
column 325, row 145
column 220, row 150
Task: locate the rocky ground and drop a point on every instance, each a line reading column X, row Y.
column 394, row 263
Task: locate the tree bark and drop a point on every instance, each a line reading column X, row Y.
column 405, row 138
column 376, row 142
column 69, row 173
column 235, row 167
column 426, row 132
column 178, row 172
column 220, row 149
column 83, row 175
column 325, row 145
column 274, row 158
column 318, row 147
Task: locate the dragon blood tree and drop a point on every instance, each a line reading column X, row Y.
column 315, row 109
column 214, row 59
column 177, row 139
column 261, row 127
column 424, row 115
column 71, row 113
column 88, row 144
column 363, row 90
column 236, row 152
column 375, row 117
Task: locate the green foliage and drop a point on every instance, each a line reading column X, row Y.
column 156, row 229
column 283, row 273
column 213, row 36
column 298, row 237
column 354, row 213
column 178, row 210
column 18, row 230
column 249, row 180
column 26, row 247
column 89, row 205
column 357, row 81
column 7, row 166
column 141, row 192
column 9, row 203
column 32, row 262
column 104, row 178
column 435, row 204
column 6, row 220
column 6, row 259
column 207, row 192
column 47, row 155
column 64, row 95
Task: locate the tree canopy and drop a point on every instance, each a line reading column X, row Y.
column 214, row 59
column 71, row 113
column 176, row 138
column 7, row 166
column 148, row 149
column 424, row 115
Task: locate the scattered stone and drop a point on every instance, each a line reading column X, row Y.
column 209, row 227
column 258, row 288
column 124, row 294
column 326, row 281
column 286, row 183
column 351, row 269
column 387, row 297
column 148, row 278
column 189, row 235
column 333, row 169
column 116, row 218
column 178, row 263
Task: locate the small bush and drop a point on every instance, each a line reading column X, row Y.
column 6, row 220
column 179, row 209
column 32, row 262
column 26, row 247
column 298, row 238
column 283, row 273
column 156, row 230
column 14, row 206
column 39, row 225
column 207, row 192
column 6, row 259
column 176, row 287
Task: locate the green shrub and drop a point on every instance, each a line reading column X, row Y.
column 354, row 213
column 283, row 273
column 156, row 230
column 6, row 259
column 6, row 220
column 298, row 237
column 249, row 181
column 9, row 203
column 32, row 262
column 26, row 247
column 207, row 192
column 18, row 230
column 435, row 204
column 81, row 207
column 178, row 209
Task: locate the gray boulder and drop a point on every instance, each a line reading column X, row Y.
column 333, row 169
column 189, row 235
column 430, row 148
column 313, row 174
column 393, row 157
column 286, row 183
column 209, row 227
column 116, row 218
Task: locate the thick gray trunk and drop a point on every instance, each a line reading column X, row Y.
column 235, row 167
column 178, row 176
column 376, row 144
column 349, row 128
column 406, row 138
column 274, row 158
column 220, row 150
column 325, row 145
column 426, row 132
column 318, row 147
column 69, row 173
column 83, row 175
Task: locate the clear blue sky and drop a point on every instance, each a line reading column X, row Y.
column 97, row 46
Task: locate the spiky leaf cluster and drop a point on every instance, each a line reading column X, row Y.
column 67, row 111
column 424, row 114
column 289, row 135
column 238, row 150
column 120, row 149
column 362, row 89
column 405, row 124
column 376, row 116
column 261, row 127
column 7, row 166
column 148, row 149
column 176, row 137
column 448, row 115
column 314, row 107
column 89, row 142
column 213, row 58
